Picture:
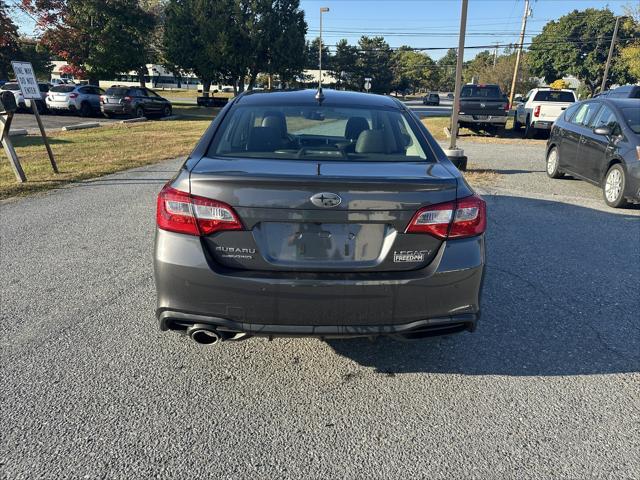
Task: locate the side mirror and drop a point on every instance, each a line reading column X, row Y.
column 605, row 130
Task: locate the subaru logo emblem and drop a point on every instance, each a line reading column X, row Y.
column 326, row 200
column 483, row 105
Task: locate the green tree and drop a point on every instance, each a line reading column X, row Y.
column 9, row 47
column 190, row 38
column 482, row 70
column 98, row 39
column 374, row 61
column 343, row 65
column 38, row 55
column 478, row 67
column 311, row 61
column 413, row 71
column 578, row 44
column 447, row 70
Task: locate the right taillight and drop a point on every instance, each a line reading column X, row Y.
column 181, row 212
column 466, row 217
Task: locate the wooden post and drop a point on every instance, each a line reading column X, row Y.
column 8, row 148
column 44, row 136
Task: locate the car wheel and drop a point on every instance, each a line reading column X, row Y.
column 166, row 111
column 614, row 185
column 139, row 113
column 553, row 161
column 85, row 109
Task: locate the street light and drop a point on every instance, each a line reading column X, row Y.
column 319, row 95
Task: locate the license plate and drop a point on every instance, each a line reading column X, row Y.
column 482, row 117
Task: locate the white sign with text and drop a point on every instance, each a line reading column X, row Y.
column 27, row 80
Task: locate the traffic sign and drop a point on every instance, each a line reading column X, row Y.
column 26, row 78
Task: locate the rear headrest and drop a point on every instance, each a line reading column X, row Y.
column 371, row 141
column 275, row 120
column 354, row 127
column 263, row 139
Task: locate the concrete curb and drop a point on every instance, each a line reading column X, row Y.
column 80, row 126
column 18, row 133
column 170, row 117
column 134, row 120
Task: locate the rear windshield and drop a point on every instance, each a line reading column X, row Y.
column 632, row 117
column 311, row 133
column 11, row 86
column 481, row 91
column 116, row 91
column 63, row 88
column 554, row 96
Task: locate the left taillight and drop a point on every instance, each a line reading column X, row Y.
column 536, row 111
column 181, row 212
column 466, row 217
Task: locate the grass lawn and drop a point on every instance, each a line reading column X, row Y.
column 91, row 153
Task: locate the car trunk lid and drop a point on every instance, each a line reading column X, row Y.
column 287, row 226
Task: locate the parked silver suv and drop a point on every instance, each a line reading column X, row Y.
column 84, row 99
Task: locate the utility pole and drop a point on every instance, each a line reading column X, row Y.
column 527, row 12
column 456, row 155
column 495, row 55
column 606, row 68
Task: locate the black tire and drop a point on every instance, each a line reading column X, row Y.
column 166, row 111
column 85, row 109
column 529, row 131
column 614, row 185
column 553, row 162
column 107, row 115
column 499, row 132
column 139, row 112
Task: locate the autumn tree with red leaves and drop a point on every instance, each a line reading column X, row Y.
column 97, row 38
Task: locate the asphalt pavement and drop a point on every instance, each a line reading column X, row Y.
column 547, row 387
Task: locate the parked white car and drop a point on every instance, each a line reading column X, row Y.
column 540, row 108
column 82, row 99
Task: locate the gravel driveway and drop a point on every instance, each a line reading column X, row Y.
column 547, row 387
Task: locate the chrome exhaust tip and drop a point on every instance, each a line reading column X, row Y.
column 203, row 334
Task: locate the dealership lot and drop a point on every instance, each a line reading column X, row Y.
column 546, row 387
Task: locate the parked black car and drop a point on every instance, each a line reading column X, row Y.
column 431, row 99
column 625, row 91
column 133, row 101
column 598, row 141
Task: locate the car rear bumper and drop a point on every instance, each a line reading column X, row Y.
column 115, row 109
column 65, row 105
column 443, row 296
column 483, row 119
column 542, row 124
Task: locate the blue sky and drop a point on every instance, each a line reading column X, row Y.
column 435, row 23
column 430, row 23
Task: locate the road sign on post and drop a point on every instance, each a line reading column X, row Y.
column 29, row 87
column 367, row 83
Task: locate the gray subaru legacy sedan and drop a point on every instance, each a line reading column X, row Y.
column 331, row 217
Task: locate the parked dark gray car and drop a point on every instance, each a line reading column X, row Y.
column 598, row 140
column 294, row 217
column 133, row 101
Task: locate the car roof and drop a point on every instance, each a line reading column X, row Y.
column 620, row 102
column 332, row 98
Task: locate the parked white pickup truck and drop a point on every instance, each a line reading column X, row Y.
column 540, row 108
